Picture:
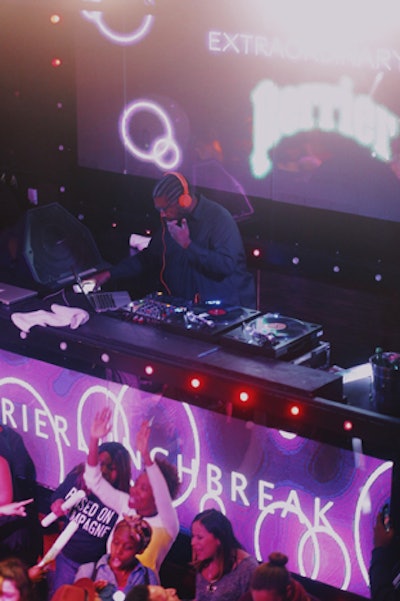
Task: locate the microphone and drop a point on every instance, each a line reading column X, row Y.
column 73, row 500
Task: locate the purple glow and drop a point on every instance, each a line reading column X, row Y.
column 316, row 502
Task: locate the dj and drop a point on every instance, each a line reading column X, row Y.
column 197, row 254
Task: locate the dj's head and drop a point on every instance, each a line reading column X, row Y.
column 172, row 197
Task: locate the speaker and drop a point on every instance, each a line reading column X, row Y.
column 57, row 247
column 184, row 200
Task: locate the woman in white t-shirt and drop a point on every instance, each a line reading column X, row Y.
column 150, row 497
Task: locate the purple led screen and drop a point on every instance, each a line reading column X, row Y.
column 302, row 108
column 313, row 501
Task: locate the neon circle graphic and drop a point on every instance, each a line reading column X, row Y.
column 124, row 39
column 363, row 498
column 270, row 510
column 162, row 147
column 196, row 440
column 328, row 531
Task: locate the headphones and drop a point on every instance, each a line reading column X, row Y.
column 184, row 200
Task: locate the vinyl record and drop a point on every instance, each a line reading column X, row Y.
column 225, row 314
column 282, row 327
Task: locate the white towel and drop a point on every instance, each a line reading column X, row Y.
column 59, row 316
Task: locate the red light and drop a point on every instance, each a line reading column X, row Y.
column 347, row 425
column 54, row 19
column 256, row 252
column 295, row 410
column 244, row 396
column 149, row 370
column 195, row 383
column 56, row 62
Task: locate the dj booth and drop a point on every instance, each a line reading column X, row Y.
column 232, row 360
column 252, row 365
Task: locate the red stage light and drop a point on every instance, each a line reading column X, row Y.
column 149, row 370
column 244, row 396
column 56, row 62
column 195, row 383
column 295, row 410
column 256, row 252
column 347, row 425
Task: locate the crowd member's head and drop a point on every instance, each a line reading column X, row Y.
column 115, row 464
column 83, row 589
column 141, row 493
column 272, row 581
column 172, row 196
column 213, row 538
column 15, row 584
column 130, row 538
column 151, row 592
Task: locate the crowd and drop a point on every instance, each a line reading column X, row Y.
column 122, row 559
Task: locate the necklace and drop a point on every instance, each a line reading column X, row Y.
column 212, row 575
column 212, row 586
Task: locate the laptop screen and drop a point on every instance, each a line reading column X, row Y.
column 10, row 294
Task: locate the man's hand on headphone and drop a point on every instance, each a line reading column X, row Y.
column 180, row 233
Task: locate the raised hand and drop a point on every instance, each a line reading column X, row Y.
column 101, row 424
column 142, row 442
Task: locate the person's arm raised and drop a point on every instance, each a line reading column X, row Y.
column 100, row 427
column 162, row 497
column 116, row 499
column 142, row 442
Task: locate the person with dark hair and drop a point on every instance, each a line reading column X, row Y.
column 384, row 569
column 151, row 495
column 197, row 254
column 120, row 569
column 223, row 568
column 15, row 584
column 95, row 519
column 271, row 581
column 143, row 592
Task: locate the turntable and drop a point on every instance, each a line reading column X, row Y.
column 206, row 320
column 274, row 335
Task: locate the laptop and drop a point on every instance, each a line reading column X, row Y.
column 102, row 301
column 108, row 301
column 10, row 294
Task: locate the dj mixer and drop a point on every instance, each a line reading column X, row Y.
column 270, row 334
